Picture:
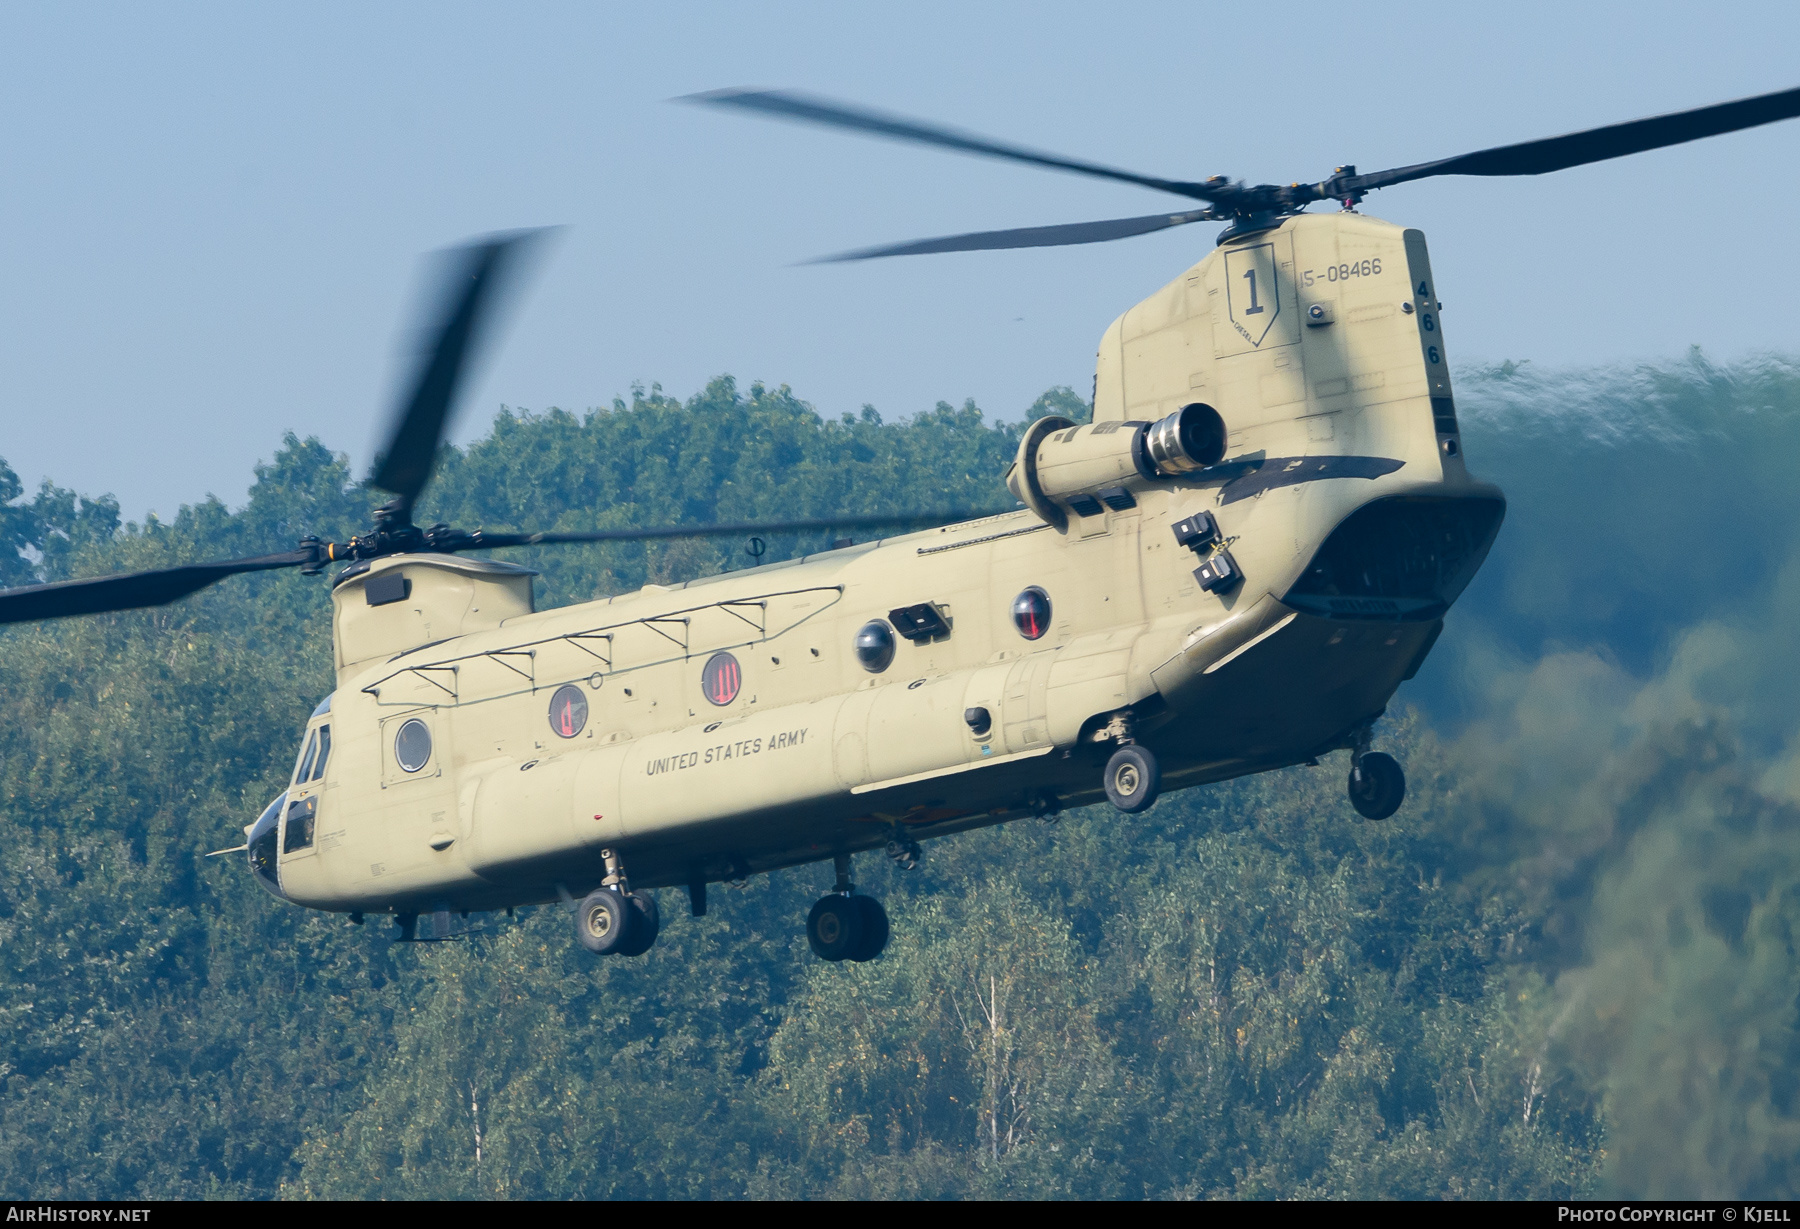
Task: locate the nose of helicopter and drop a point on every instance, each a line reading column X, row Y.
column 260, row 837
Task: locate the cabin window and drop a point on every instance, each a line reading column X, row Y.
column 721, row 679
column 1031, row 613
column 412, row 745
column 875, row 646
column 568, row 711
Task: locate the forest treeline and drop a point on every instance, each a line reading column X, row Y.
column 1567, row 967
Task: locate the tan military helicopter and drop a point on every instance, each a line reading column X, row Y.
column 1230, row 569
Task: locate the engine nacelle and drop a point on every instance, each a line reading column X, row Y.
column 399, row 602
column 1064, row 468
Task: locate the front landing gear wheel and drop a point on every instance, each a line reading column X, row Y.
column 1377, row 785
column 834, row 928
column 604, row 922
column 1132, row 778
column 874, row 928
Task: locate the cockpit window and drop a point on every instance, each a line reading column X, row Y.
column 261, row 839
column 308, row 753
column 324, row 753
column 299, row 832
column 324, row 706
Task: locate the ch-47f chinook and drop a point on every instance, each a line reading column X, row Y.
column 1230, row 569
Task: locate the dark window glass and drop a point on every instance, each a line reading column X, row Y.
column 875, row 646
column 722, row 678
column 262, row 838
column 324, row 752
column 412, row 745
column 1031, row 613
column 299, row 833
column 568, row 711
column 308, row 753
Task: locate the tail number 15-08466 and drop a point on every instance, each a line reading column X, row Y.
column 1342, row 273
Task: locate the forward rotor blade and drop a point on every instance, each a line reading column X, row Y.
column 730, row 528
column 791, row 104
column 130, row 590
column 1594, row 144
column 465, row 316
column 1026, row 237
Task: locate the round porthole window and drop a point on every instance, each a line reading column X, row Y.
column 722, row 678
column 568, row 711
column 875, row 646
column 1031, row 613
column 412, row 745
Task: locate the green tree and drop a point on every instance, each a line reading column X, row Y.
column 1577, row 936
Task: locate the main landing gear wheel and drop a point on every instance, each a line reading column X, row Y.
column 1377, row 785
column 1132, row 778
column 646, row 922
column 602, row 921
column 874, row 928
column 844, row 927
column 834, row 928
column 610, row 924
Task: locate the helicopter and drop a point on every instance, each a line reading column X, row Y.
column 1229, row 570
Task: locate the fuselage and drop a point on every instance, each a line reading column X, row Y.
column 482, row 754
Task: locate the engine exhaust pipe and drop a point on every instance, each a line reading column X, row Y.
column 1191, row 438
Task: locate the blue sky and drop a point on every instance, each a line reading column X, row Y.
column 214, row 214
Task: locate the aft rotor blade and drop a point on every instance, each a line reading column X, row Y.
column 1027, row 237
column 730, row 528
column 130, row 590
column 1594, row 144
column 791, row 104
column 463, row 319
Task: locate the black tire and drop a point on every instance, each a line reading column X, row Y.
column 1377, row 786
column 646, row 922
column 874, row 928
column 604, row 922
column 1133, row 779
column 834, row 928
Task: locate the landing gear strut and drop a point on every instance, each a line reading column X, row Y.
column 1377, row 782
column 613, row 920
column 845, row 926
column 1132, row 777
